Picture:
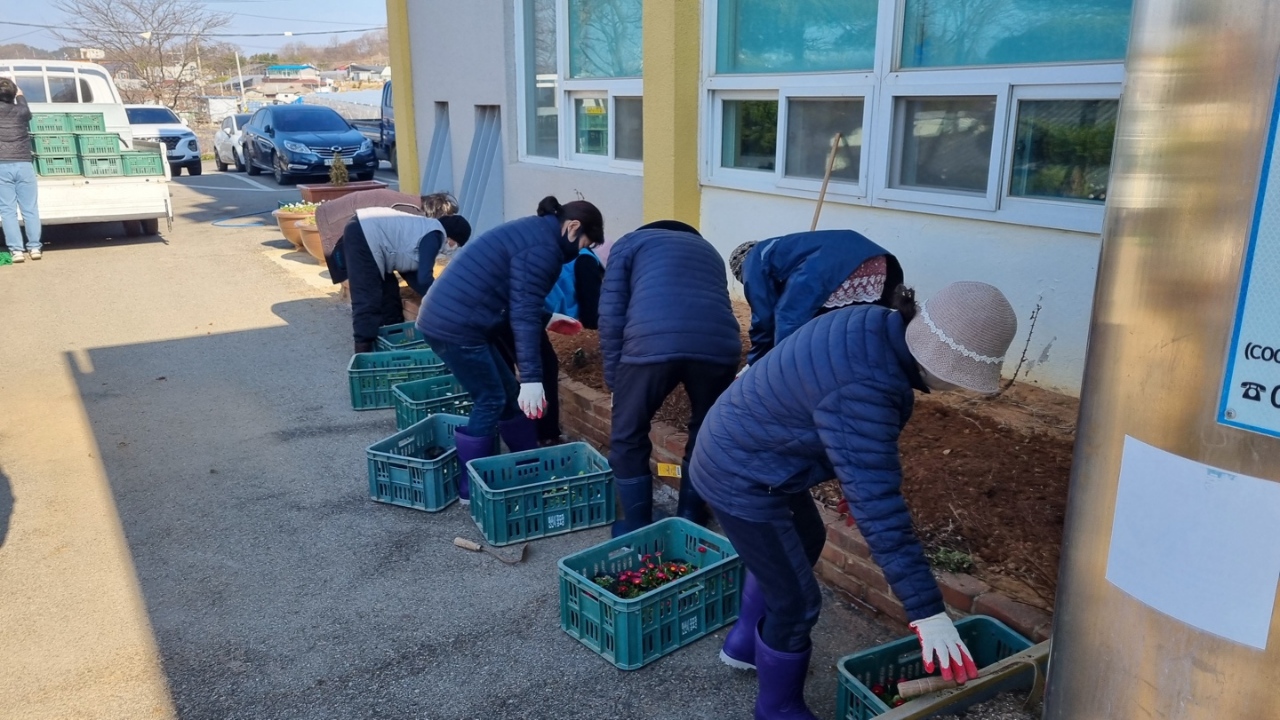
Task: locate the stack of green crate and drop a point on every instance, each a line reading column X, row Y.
column 54, row 145
column 78, row 144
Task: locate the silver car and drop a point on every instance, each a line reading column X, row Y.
column 226, row 143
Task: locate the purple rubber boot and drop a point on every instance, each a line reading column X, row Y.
column 519, row 433
column 781, row 676
column 739, row 649
column 469, row 448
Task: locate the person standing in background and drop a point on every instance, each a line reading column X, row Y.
column 17, row 174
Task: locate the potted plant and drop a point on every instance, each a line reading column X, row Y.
column 311, row 238
column 287, row 217
column 339, row 184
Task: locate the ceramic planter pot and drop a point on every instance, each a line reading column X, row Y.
column 311, row 239
column 288, row 222
column 320, row 193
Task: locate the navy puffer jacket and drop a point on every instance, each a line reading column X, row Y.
column 665, row 298
column 787, row 280
column 505, row 273
column 829, row 401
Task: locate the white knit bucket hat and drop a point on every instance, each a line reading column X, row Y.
column 962, row 333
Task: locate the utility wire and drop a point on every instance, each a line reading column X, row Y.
column 210, row 34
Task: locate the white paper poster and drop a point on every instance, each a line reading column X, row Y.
column 1197, row 543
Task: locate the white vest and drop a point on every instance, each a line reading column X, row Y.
column 394, row 236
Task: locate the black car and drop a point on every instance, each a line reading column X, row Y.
column 291, row 141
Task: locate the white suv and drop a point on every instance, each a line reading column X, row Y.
column 159, row 123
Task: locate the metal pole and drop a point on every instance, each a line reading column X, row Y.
column 1143, row 634
column 244, row 102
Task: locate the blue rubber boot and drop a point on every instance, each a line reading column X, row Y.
column 519, row 433
column 636, row 497
column 691, row 506
column 469, row 448
column 781, row 676
column 739, row 649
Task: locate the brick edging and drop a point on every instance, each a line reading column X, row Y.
column 846, row 565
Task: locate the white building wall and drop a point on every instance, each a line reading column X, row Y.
column 470, row 61
column 1052, row 268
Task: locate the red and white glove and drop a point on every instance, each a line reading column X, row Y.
column 563, row 324
column 938, row 636
column 533, row 400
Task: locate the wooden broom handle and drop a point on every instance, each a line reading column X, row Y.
column 826, row 179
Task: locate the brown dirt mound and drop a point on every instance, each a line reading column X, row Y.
column 986, row 479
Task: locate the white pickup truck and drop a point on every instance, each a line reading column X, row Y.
column 57, row 86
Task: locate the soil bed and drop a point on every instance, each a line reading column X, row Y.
column 986, row 479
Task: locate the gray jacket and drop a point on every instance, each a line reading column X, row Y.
column 394, row 237
column 15, row 131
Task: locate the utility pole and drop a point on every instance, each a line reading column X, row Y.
column 244, row 103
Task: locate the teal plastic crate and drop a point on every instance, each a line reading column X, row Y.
column 420, row 398
column 54, row 166
column 371, row 375
column 539, row 493
column 633, row 633
column 139, row 163
column 98, row 144
column 86, row 122
column 401, row 473
column 49, row 123
column 101, row 166
column 54, row 144
column 402, row 336
column 988, row 639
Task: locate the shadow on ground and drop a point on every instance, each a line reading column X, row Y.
column 277, row 589
column 6, row 505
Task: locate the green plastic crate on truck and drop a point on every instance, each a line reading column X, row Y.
column 98, row 144
column 988, row 640
column 400, row 473
column 371, row 375
column 633, row 633
column 101, row 166
column 539, row 493
column 53, row 143
column 401, row 336
column 138, row 163
column 57, row 166
column 420, row 398
column 49, row 123
column 86, row 122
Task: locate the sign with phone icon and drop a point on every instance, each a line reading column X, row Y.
column 1251, row 389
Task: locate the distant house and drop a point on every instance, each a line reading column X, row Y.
column 292, row 72
column 368, row 73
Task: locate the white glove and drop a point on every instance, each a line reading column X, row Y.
column 938, row 636
column 742, row 371
column 533, row 400
column 563, row 324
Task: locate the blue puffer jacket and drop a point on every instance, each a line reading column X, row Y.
column 829, row 401
column 788, row 278
column 506, row 272
column 665, row 298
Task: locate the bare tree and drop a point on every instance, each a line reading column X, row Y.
column 157, row 42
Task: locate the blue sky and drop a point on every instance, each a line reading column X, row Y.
column 318, row 14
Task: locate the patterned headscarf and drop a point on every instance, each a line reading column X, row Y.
column 739, row 256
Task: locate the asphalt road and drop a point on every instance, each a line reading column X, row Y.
column 185, row 528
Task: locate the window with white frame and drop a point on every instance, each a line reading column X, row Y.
column 579, row 79
column 991, row 109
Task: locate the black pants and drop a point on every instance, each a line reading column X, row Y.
column 549, row 423
column 375, row 298
column 638, row 393
column 781, row 554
